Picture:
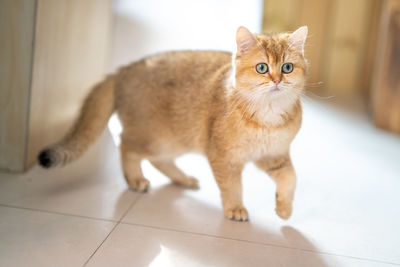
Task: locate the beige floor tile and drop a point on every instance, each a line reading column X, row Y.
column 141, row 246
column 32, row 238
column 348, row 180
column 92, row 186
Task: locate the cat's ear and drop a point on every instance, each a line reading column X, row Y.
column 245, row 40
column 298, row 38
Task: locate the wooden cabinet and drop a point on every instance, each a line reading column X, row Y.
column 386, row 85
column 52, row 52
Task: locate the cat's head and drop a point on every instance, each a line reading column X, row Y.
column 270, row 69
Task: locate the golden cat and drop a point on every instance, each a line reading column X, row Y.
column 233, row 109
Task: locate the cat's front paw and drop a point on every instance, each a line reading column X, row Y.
column 284, row 209
column 238, row 213
column 139, row 184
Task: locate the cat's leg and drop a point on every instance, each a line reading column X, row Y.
column 168, row 167
column 281, row 170
column 132, row 170
column 229, row 180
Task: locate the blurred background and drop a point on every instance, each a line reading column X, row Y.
column 52, row 52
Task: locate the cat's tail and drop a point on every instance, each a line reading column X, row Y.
column 93, row 118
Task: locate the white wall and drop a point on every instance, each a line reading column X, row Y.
column 143, row 27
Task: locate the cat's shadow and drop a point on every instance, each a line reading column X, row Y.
column 166, row 208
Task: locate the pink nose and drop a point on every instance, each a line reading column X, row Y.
column 277, row 82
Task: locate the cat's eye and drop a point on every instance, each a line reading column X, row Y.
column 262, row 68
column 287, row 68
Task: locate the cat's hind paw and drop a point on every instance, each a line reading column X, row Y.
column 187, row 182
column 238, row 213
column 139, row 184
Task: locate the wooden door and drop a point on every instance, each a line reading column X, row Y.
column 52, row 52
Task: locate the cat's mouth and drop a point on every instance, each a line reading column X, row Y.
column 272, row 87
column 275, row 88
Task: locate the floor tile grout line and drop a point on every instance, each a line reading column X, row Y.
column 101, row 243
column 183, row 231
column 130, row 207
column 134, row 202
column 58, row 213
column 112, row 230
column 260, row 243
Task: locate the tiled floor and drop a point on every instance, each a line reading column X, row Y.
column 346, row 208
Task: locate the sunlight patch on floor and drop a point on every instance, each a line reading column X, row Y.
column 166, row 258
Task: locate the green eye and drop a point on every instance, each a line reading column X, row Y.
column 287, row 68
column 262, row 68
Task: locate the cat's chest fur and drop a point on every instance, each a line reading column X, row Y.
column 252, row 142
column 255, row 144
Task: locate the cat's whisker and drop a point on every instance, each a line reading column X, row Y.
column 310, row 35
column 307, row 93
column 316, row 84
column 319, row 97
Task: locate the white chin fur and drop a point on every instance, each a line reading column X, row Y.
column 269, row 104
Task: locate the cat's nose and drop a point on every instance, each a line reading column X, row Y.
column 277, row 82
